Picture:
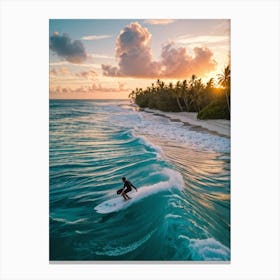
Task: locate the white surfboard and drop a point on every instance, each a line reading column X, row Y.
column 116, row 204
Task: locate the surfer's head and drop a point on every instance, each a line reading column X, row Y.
column 124, row 179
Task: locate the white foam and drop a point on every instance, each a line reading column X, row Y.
column 175, row 180
column 172, row 216
column 209, row 249
column 145, row 141
column 61, row 220
column 149, row 124
column 82, row 231
column 109, row 250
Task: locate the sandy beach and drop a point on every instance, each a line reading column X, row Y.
column 220, row 127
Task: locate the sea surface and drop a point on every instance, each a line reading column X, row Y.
column 184, row 172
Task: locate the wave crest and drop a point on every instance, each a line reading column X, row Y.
column 209, row 250
column 109, row 250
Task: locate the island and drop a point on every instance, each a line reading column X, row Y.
column 210, row 100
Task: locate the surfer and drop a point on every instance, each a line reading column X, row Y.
column 126, row 188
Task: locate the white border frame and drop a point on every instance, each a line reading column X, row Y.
column 255, row 138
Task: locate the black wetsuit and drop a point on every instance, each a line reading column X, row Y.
column 127, row 186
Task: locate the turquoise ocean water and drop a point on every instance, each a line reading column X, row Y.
column 185, row 172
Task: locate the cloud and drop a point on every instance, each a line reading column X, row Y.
column 53, row 72
column 133, row 52
column 65, row 47
column 93, row 88
column 95, row 37
column 90, row 75
column 205, row 39
column 64, row 72
column 135, row 57
column 87, row 65
column 97, row 55
column 57, row 63
column 159, row 21
column 111, row 71
column 179, row 64
column 98, row 87
column 223, row 28
column 60, row 71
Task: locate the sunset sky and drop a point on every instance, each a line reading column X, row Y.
column 109, row 58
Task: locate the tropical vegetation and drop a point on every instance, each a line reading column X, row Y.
column 209, row 100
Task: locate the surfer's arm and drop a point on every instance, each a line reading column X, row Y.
column 133, row 187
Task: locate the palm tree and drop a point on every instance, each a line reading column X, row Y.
column 177, row 93
column 193, row 79
column 191, row 92
column 198, row 90
column 224, row 78
column 209, row 90
column 210, row 84
column 224, row 81
column 160, row 85
column 184, row 94
column 132, row 95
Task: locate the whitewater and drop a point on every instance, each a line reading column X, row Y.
column 182, row 212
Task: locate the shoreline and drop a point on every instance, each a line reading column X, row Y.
column 218, row 127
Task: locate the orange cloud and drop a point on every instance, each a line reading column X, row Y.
column 179, row 64
column 90, row 75
column 60, row 71
column 64, row 71
column 91, row 89
column 135, row 57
